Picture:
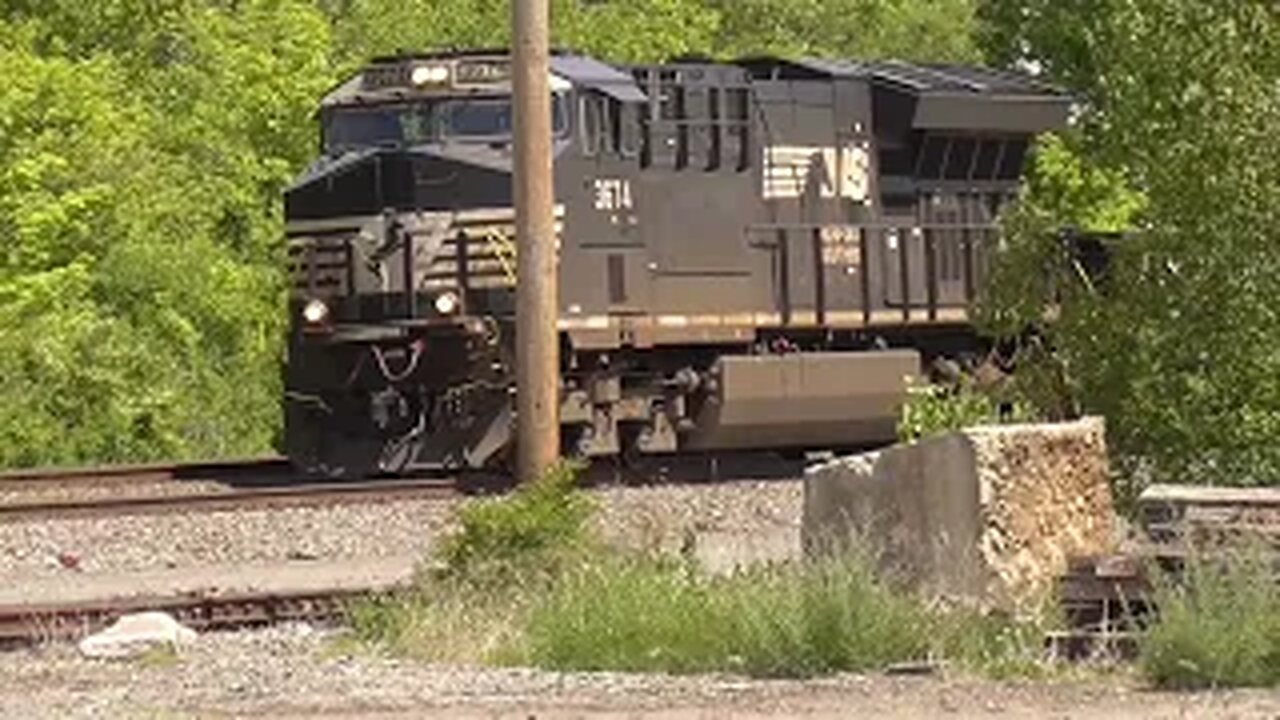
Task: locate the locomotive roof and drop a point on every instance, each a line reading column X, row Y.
column 940, row 95
column 937, row 96
column 577, row 69
column 919, row 78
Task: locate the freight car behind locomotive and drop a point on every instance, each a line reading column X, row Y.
column 752, row 255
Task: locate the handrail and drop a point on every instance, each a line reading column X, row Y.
column 504, row 250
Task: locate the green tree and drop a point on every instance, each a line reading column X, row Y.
column 631, row 30
column 1181, row 99
column 932, row 30
column 141, row 288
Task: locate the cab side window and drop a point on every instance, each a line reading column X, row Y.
column 623, row 121
column 608, row 126
column 592, row 124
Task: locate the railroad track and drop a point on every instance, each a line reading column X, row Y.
column 235, row 499
column 252, row 471
column 1109, row 601
column 271, row 483
column 33, row 624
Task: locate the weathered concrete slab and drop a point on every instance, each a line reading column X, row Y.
column 989, row 514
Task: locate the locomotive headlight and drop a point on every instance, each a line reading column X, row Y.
column 315, row 312
column 447, row 303
column 430, row 75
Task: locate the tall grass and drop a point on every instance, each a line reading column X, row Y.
column 445, row 623
column 540, row 530
column 524, row 582
column 471, row 605
column 1218, row 626
column 793, row 621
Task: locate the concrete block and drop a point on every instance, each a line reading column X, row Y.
column 988, row 515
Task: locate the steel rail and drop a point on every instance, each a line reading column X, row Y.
column 39, row 623
column 44, row 478
column 247, row 499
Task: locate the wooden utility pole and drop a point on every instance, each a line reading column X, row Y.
column 537, row 337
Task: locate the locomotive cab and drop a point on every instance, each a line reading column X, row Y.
column 402, row 254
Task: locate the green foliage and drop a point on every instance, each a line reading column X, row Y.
column 936, row 30
column 650, row 30
column 532, row 533
column 1218, row 627
column 1177, row 351
column 142, row 154
column 933, row 409
column 632, row 30
column 522, row 582
column 794, row 621
column 1030, row 270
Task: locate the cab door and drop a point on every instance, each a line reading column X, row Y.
column 610, row 272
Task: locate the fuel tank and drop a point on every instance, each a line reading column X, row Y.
column 817, row 400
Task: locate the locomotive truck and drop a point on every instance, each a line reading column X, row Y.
column 752, row 254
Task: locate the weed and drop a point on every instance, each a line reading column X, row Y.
column 932, row 409
column 164, row 655
column 994, row 644
column 785, row 621
column 537, row 531
column 506, row 552
column 629, row 614
column 828, row 616
column 446, row 622
column 1218, row 626
column 523, row 582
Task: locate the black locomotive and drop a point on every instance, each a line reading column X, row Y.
column 752, row 254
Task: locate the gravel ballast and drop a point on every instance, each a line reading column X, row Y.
column 54, row 492
column 715, row 516
column 133, row 543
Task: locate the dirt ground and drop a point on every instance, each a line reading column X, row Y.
column 298, row 673
column 854, row 697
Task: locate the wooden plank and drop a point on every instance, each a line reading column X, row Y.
column 1203, row 495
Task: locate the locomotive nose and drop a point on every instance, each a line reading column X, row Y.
column 419, row 179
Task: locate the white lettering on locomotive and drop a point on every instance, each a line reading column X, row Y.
column 613, row 194
column 793, row 171
column 842, row 246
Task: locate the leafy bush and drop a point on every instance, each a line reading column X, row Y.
column 788, row 621
column 506, row 552
column 533, row 532
column 932, row 409
column 1218, row 627
column 1175, row 142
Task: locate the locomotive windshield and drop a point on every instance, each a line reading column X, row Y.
column 462, row 119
